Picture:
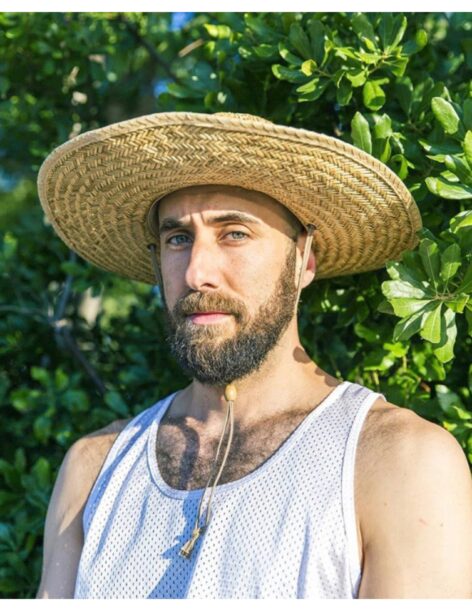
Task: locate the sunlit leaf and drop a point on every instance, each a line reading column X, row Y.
column 360, row 132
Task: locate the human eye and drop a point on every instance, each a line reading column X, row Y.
column 241, row 235
column 177, row 239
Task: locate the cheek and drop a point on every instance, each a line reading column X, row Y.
column 173, row 278
column 251, row 276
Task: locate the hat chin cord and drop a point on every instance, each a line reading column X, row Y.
column 230, row 396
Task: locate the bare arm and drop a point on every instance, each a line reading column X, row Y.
column 63, row 533
column 418, row 527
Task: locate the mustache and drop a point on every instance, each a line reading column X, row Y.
column 208, row 302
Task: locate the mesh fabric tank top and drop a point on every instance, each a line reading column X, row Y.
column 285, row 530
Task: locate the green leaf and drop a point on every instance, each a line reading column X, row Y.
column 408, row 326
column 345, row 53
column 466, row 283
column 458, row 304
column 448, row 190
column 362, row 26
column 404, row 93
column 308, row 67
column 447, row 399
column 360, row 133
column 313, row 90
column 180, row 91
column 460, row 168
column 383, row 126
column 398, row 65
column 42, row 428
column 445, row 351
column 369, row 43
column 445, row 114
column 369, row 58
column 467, row 113
column 400, row 165
column 76, row 400
column 42, row 472
column 61, row 379
column 410, row 270
column 299, row 40
column 429, row 253
column 370, row 335
column 260, row 28
column 417, row 44
column 266, row 51
column 373, row 95
column 316, row 30
column 309, row 87
column 41, row 375
column 450, row 262
column 431, row 329
column 461, row 221
column 357, row 77
column 404, row 306
column 344, row 93
column 285, row 74
column 391, row 30
column 468, row 317
column 217, row 31
column 467, row 145
column 386, row 152
column 395, row 289
column 439, row 151
column 115, row 402
column 288, row 56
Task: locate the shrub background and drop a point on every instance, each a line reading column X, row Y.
column 80, row 347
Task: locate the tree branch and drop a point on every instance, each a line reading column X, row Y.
column 133, row 30
column 65, row 338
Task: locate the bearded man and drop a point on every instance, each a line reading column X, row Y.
column 266, row 477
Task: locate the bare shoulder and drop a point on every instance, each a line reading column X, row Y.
column 82, row 464
column 63, row 533
column 85, row 457
column 97, row 444
column 395, row 438
column 415, row 507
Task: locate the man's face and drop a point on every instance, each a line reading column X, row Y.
column 228, row 271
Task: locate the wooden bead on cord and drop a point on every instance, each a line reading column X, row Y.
column 230, row 392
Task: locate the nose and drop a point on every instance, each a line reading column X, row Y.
column 203, row 267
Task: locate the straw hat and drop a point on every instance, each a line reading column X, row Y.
column 98, row 189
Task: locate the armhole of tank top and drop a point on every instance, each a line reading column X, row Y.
column 348, row 496
column 109, row 457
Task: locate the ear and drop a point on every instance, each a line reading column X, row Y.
column 310, row 272
column 310, row 269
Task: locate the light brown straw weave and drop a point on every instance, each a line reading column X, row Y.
column 97, row 189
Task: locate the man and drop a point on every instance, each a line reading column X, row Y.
column 266, row 476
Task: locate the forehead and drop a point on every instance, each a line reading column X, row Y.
column 203, row 199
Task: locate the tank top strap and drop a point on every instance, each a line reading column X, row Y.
column 135, row 434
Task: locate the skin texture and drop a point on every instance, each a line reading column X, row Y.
column 413, row 490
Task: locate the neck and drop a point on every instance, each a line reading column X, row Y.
column 288, row 379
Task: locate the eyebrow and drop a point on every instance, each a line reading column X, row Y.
column 229, row 217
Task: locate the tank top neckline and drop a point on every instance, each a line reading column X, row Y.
column 276, row 456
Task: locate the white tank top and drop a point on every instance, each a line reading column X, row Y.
column 285, row 530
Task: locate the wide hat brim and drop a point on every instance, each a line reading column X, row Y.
column 97, row 189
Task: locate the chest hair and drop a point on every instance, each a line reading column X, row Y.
column 185, row 454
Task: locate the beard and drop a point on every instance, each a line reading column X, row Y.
column 217, row 362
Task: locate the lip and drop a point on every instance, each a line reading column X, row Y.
column 204, row 318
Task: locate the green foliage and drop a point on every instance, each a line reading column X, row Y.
column 432, row 285
column 394, row 85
